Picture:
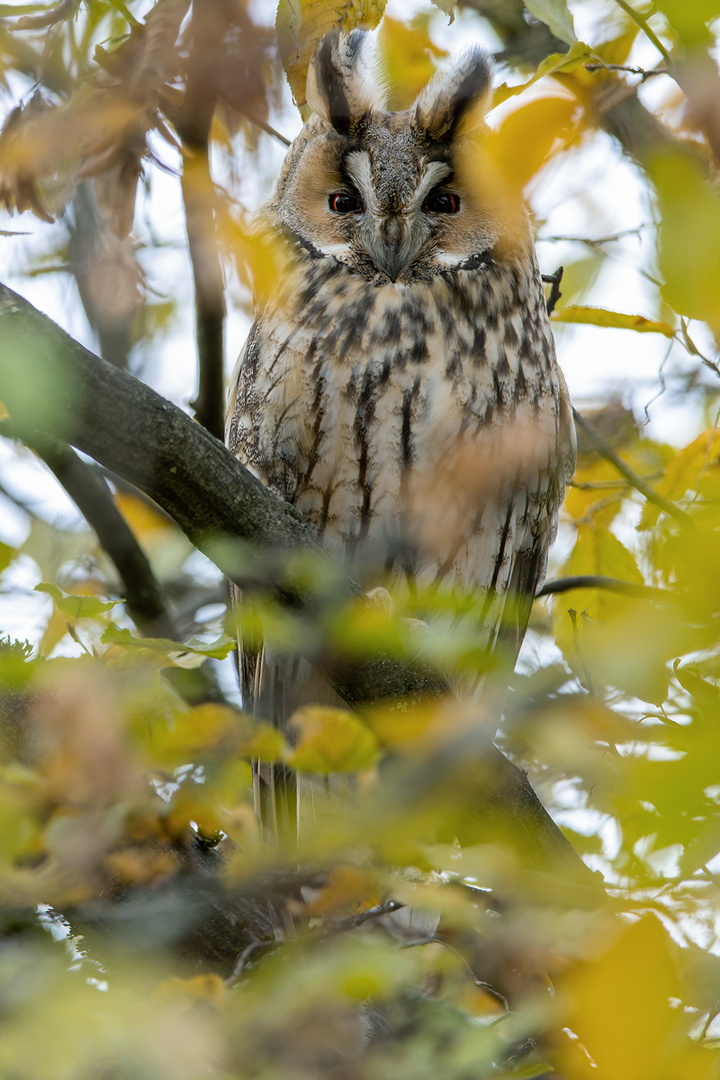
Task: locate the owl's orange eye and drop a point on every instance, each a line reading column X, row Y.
column 442, row 202
column 345, row 202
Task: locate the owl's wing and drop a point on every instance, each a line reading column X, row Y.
column 273, row 687
column 530, row 555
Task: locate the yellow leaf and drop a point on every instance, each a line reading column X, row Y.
column 353, row 888
column 264, row 742
column 577, row 313
column 192, row 804
column 140, row 865
column 422, row 727
column 331, row 740
column 620, row 1006
column 229, row 782
column 195, row 733
column 142, row 518
column 527, row 137
column 598, row 551
column 608, row 636
column 210, row 987
column 595, row 493
column 688, row 465
column 684, row 472
column 690, row 560
column 408, row 53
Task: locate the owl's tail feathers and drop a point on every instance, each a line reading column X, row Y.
column 273, row 689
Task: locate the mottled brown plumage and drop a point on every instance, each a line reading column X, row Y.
column 400, row 387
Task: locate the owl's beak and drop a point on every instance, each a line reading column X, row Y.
column 391, row 259
column 391, row 252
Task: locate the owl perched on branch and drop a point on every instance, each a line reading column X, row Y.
column 400, row 386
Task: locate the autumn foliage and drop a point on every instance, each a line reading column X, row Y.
column 420, row 928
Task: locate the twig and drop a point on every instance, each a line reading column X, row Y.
column 603, row 447
column 62, row 11
column 90, row 493
column 642, row 22
column 693, row 349
column 644, row 73
column 371, row 913
column 712, row 1015
column 268, row 128
column 193, row 124
column 598, row 581
column 607, row 485
column 244, row 959
column 598, row 241
column 555, row 294
column 90, row 235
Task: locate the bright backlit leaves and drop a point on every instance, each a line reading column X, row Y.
column 555, row 15
column 578, row 313
column 623, row 1005
column 689, row 236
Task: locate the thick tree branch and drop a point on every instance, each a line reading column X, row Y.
column 51, row 382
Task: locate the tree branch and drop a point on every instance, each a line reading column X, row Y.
column 642, row 21
column 193, row 122
column 90, row 493
column 53, row 383
column 603, row 447
column 598, row 581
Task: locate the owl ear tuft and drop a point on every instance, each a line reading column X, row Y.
column 457, row 88
column 342, row 82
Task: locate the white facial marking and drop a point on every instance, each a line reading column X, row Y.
column 339, row 251
column 448, row 258
column 434, row 174
column 360, row 170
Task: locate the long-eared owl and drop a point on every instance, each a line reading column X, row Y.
column 400, row 386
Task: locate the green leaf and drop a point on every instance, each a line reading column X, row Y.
column 555, row 15
column 217, row 650
column 690, row 18
column 578, row 313
column 613, row 639
column 7, row 554
column 551, row 65
column 689, row 239
column 447, row 7
column 76, row 607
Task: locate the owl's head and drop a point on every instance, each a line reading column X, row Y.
column 395, row 196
